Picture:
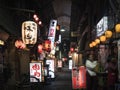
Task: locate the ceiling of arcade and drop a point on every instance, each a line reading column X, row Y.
column 75, row 16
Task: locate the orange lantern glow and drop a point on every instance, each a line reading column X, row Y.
column 108, row 34
column 94, row 43
column 117, row 28
column 102, row 38
column 90, row 45
column 47, row 45
column 40, row 48
column 19, row 44
column 97, row 41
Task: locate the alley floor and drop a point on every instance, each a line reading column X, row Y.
column 62, row 81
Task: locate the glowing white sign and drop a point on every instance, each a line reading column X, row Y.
column 102, row 26
column 70, row 64
column 51, row 68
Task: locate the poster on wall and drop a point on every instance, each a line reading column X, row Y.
column 51, row 68
column 35, row 72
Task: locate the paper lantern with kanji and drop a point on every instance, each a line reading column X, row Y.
column 40, row 48
column 29, row 32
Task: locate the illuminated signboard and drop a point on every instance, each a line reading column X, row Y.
column 102, row 26
column 70, row 64
column 79, row 77
column 52, row 32
column 35, row 72
column 51, row 68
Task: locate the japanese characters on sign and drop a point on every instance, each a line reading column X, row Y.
column 52, row 32
column 29, row 32
column 51, row 68
column 35, row 72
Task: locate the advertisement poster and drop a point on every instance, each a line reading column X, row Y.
column 51, row 68
column 35, row 72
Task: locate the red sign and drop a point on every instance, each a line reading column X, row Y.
column 82, row 77
column 79, row 77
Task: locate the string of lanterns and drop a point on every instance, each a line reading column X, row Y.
column 107, row 34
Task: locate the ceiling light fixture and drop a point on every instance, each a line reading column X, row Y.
column 62, row 30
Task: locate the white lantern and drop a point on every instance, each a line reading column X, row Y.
column 29, row 32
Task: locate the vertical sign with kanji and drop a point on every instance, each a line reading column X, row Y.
column 51, row 68
column 35, row 72
column 52, row 32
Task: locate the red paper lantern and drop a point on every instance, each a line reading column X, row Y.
column 47, row 45
column 19, row 44
column 40, row 48
column 71, row 49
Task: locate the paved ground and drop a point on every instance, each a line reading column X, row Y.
column 61, row 82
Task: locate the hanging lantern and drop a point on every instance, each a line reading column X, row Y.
column 47, row 45
column 72, row 49
column 19, row 44
column 40, row 48
column 117, row 28
column 108, row 34
column 94, row 43
column 102, row 38
column 90, row 45
column 29, row 32
column 97, row 41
